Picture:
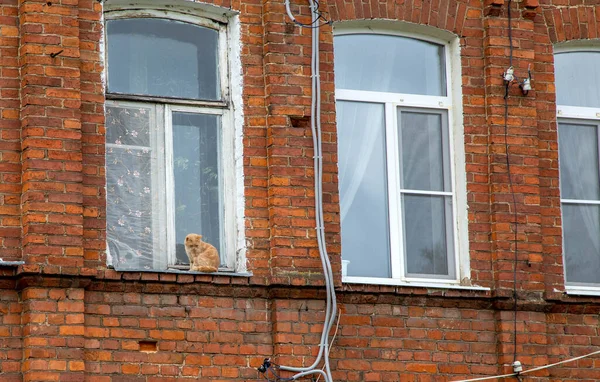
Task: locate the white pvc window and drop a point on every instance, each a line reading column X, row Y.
column 396, row 159
column 578, row 98
column 169, row 139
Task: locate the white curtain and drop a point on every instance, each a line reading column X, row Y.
column 363, row 188
column 579, row 174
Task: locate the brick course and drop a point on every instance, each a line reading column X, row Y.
column 65, row 316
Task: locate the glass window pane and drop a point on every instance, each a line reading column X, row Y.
column 196, row 173
column 160, row 57
column 363, row 189
column 425, row 162
column 581, row 227
column 389, row 64
column 578, row 154
column 577, row 78
column 130, row 197
column 428, row 237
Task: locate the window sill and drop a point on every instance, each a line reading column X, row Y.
column 11, row 263
column 415, row 284
column 582, row 291
column 184, row 272
column 176, row 276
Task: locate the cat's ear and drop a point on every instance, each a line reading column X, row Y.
column 200, row 237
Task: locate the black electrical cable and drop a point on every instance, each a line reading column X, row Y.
column 278, row 378
column 510, row 46
column 272, row 368
column 315, row 24
column 511, row 187
column 515, row 217
column 269, row 366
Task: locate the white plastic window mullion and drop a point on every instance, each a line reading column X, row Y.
column 452, row 221
column 448, row 71
column 394, row 195
column 404, row 100
column 580, row 201
column 598, row 146
column 577, row 112
column 421, row 192
column 169, row 183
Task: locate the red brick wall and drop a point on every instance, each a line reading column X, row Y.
column 10, row 134
column 11, row 332
column 64, row 316
column 197, row 335
column 223, row 332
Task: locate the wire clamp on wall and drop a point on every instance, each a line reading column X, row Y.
column 265, row 366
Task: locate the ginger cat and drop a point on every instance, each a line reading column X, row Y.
column 203, row 256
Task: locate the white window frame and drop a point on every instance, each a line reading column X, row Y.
column 393, row 101
column 575, row 114
column 578, row 114
column 582, row 114
column 226, row 22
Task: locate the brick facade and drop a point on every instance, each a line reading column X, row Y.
column 65, row 316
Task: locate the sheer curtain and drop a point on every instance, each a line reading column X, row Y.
column 131, row 160
column 579, row 172
column 363, row 188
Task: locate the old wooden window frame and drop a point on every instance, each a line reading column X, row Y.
column 232, row 248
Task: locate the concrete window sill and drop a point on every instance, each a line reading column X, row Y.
column 11, row 263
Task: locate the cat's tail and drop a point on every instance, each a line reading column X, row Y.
column 205, row 268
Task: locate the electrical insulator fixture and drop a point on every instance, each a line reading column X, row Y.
column 509, row 75
column 517, row 367
column 526, row 84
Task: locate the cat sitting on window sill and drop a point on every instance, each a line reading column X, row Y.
column 203, row 256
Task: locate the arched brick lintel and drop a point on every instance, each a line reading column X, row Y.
column 580, row 22
column 451, row 16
